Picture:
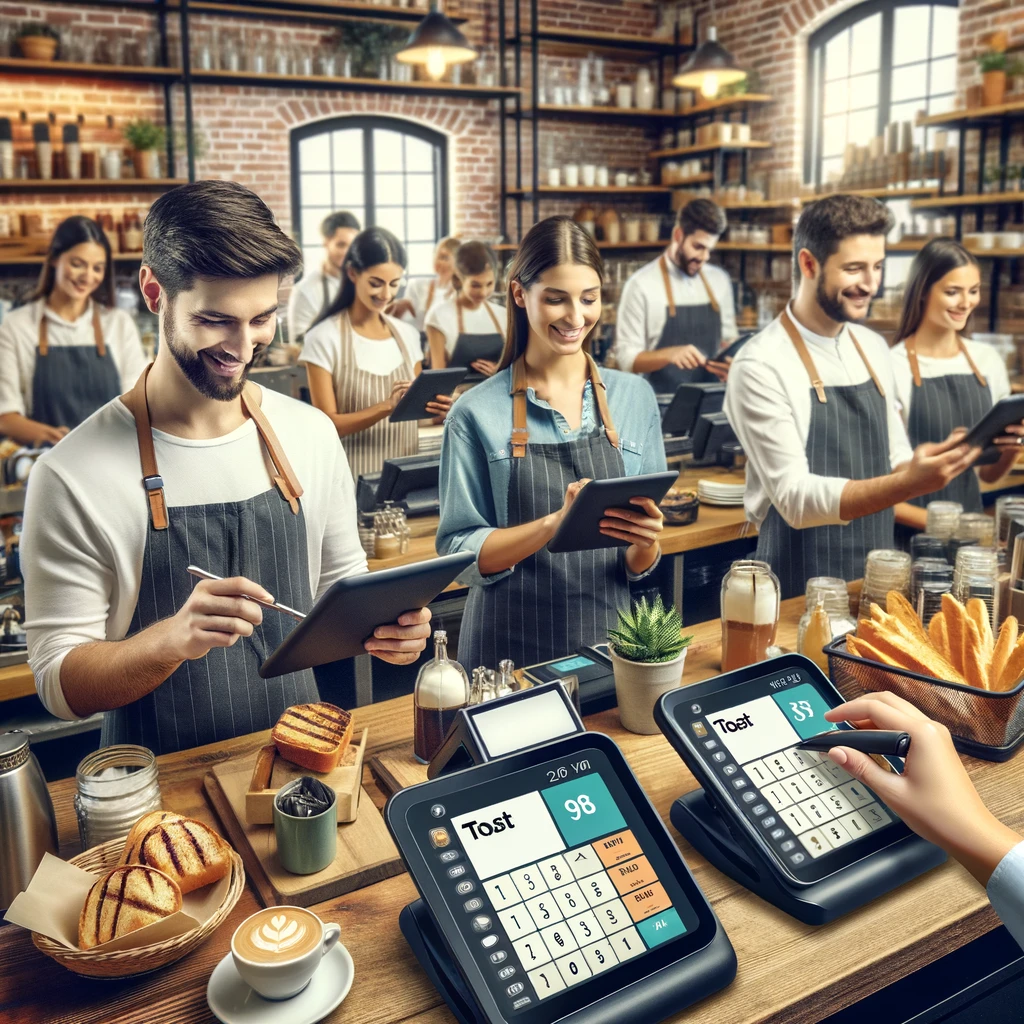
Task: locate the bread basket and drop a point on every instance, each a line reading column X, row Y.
column 128, row 962
column 983, row 723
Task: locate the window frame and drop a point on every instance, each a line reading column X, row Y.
column 816, row 43
column 437, row 139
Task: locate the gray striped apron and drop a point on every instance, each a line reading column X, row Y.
column 470, row 340
column 938, row 405
column 700, row 326
column 551, row 603
column 72, row 381
column 848, row 437
column 262, row 538
column 356, row 389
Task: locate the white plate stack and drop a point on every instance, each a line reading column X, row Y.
column 712, row 492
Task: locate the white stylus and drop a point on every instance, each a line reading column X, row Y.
column 204, row 575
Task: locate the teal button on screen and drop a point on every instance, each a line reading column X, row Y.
column 805, row 708
column 661, row 928
column 583, row 809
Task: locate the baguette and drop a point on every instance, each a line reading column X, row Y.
column 1004, row 648
column 909, row 654
column 976, row 661
column 903, row 611
column 862, row 649
column 188, row 851
column 126, row 898
column 938, row 635
column 1013, row 669
column 978, row 613
column 313, row 736
column 956, row 629
column 139, row 830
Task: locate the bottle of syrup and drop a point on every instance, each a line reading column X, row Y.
column 442, row 687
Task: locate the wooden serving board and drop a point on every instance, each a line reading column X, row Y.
column 366, row 853
column 396, row 768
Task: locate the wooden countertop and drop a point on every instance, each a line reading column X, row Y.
column 789, row 973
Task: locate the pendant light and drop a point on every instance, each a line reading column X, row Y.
column 435, row 44
column 710, row 66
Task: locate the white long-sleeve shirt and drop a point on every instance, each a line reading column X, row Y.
column 19, row 345
column 1006, row 892
column 643, row 307
column 307, row 299
column 768, row 401
column 417, row 291
column 87, row 519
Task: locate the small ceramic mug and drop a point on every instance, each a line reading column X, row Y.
column 266, row 966
column 306, row 845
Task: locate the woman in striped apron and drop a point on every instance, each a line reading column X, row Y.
column 360, row 361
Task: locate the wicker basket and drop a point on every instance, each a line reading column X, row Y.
column 128, row 962
column 983, row 723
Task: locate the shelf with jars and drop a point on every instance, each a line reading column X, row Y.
column 316, row 10
column 25, row 234
column 718, row 145
column 82, row 69
column 27, row 185
column 572, row 40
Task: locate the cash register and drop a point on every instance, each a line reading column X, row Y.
column 549, row 887
column 682, row 410
column 787, row 823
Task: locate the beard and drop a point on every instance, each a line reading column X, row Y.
column 832, row 305
column 195, row 370
column 691, row 268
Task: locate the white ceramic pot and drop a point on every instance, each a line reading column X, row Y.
column 638, row 685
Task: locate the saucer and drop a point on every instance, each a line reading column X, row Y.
column 233, row 1002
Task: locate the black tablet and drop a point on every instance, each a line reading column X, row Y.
column 738, row 733
column 994, row 423
column 580, row 529
column 425, row 388
column 733, row 350
column 471, row 347
column 350, row 611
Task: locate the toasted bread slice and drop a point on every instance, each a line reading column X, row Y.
column 862, row 649
column 977, row 612
column 903, row 611
column 139, row 830
column 125, row 899
column 938, row 636
column 956, row 629
column 1005, row 644
column 313, row 736
column 187, row 851
column 976, row 662
column 1013, row 669
column 909, row 654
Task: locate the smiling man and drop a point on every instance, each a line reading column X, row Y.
column 812, row 400
column 193, row 466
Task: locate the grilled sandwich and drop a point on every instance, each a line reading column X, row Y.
column 313, row 736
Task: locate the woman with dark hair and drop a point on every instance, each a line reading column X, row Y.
column 518, row 448
column 944, row 381
column 469, row 316
column 68, row 350
column 360, row 361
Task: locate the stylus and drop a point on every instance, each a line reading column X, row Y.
column 204, row 575
column 870, row 741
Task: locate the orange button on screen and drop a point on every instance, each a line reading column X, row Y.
column 633, row 875
column 646, row 902
column 617, row 848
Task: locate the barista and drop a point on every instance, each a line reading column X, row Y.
column 516, row 451
column 69, row 350
column 677, row 312
column 944, row 380
column 813, row 402
column 422, row 293
column 319, row 286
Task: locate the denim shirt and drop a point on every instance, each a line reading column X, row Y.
column 476, row 453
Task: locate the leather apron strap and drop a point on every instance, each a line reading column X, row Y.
column 663, row 263
column 915, row 367
column 285, row 480
column 97, row 333
column 711, row 294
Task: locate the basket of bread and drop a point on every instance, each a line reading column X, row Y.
column 956, row 670
column 131, row 906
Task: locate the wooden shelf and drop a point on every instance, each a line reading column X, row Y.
column 747, row 99
column 35, row 261
column 319, row 9
column 572, row 39
column 751, row 247
column 603, row 246
column 593, row 190
column 971, row 199
column 556, row 112
column 877, row 193
column 709, row 147
column 967, row 118
column 758, row 204
column 697, row 179
column 23, row 185
column 130, row 73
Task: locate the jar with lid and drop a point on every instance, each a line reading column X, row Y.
column 442, row 688
column 386, row 542
column 507, row 682
column 750, row 602
column 116, row 786
column 835, row 598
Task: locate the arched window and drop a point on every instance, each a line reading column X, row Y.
column 879, row 62
column 390, row 173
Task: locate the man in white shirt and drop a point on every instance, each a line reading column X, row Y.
column 813, row 403
column 319, row 286
column 677, row 312
column 193, row 466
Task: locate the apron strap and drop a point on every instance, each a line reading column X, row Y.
column 458, row 314
column 864, row 360
column 285, row 480
column 711, row 294
column 601, row 396
column 970, row 362
column 494, row 318
column 97, row 333
column 663, row 263
column 805, row 356
column 152, row 481
column 915, row 367
column 430, row 297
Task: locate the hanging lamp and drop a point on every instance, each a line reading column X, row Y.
column 710, row 67
column 435, row 44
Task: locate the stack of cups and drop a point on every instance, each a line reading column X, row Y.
column 1008, row 506
column 976, row 527
column 930, row 578
column 943, row 518
column 924, row 545
column 884, row 570
column 975, row 575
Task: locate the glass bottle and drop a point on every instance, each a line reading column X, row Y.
column 507, row 682
column 750, row 613
column 836, row 600
column 386, row 543
column 442, row 688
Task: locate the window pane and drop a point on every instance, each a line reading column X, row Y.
column 866, row 52
column 943, row 75
column 863, row 93
column 316, row 189
column 907, row 111
column 389, row 188
column 311, row 218
column 863, row 126
column 387, row 150
column 945, row 30
column 831, row 167
column 315, row 153
column 910, row 35
column 392, row 218
column 419, row 154
column 422, row 225
column 348, row 149
column 837, row 97
column 312, row 255
column 837, row 56
column 421, row 257
column 348, row 191
column 834, row 136
column 419, row 190
column 910, row 83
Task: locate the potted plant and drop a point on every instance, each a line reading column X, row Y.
column 146, row 140
column 993, row 78
column 648, row 651
column 37, row 41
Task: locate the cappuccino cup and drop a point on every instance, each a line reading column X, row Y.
column 277, row 950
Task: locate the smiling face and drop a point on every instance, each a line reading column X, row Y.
column 562, row 306
column 692, row 251
column 80, row 271
column 478, row 288
column 850, row 277
column 377, row 286
column 953, row 298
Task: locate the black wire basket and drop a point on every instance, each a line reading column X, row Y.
column 983, row 723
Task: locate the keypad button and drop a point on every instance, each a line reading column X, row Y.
column 817, row 811
column 837, row 803
column 612, row 916
column 597, row 889
column 779, row 765
column 502, row 892
column 719, row 756
column 759, row 774
column 749, row 797
column 465, row 887
column 573, row 968
column 586, row 929
column 506, row 972
column 802, row 759
column 858, row 794
column 770, row 822
column 777, row 796
column 546, row 981
column 815, row 843
column 489, row 941
column 559, row 940
column 516, row 921
column 778, row 833
column 855, row 824
column 838, row 775
column 759, row 809
column 788, row 845
column 555, row 871
column 797, row 858
column 515, row 988
column 730, row 769
column 544, row 910
column 473, row 905
column 529, row 881
column 797, row 788
column 457, row 871
column 521, row 1002
column 583, row 862
column 499, row 957
column 816, row 782
column 531, row 951
column 626, row 944
column 600, row 956
column 739, row 783
column 711, row 744
column 440, row 837
column 837, row 834
column 570, row 899
column 875, row 815
column 795, row 819
column 482, row 923
column 448, row 856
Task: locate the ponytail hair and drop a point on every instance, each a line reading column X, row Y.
column 471, row 259
column 370, row 248
column 549, row 243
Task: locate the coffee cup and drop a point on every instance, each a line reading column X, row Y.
column 278, row 949
column 306, row 845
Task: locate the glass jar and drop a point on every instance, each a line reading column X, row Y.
column 386, row 542
column 943, row 518
column 885, row 569
column 836, row 600
column 507, row 682
column 116, row 786
column 750, row 613
column 442, row 688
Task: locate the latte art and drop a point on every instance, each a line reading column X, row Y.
column 278, row 934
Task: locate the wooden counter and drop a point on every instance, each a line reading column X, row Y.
column 789, row 973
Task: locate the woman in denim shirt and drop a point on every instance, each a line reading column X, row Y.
column 518, row 448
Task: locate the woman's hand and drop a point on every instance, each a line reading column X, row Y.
column 440, row 407
column 484, row 366
column 401, row 642
column 400, row 308
column 49, row 435
column 639, row 529
column 934, row 795
column 1009, row 445
column 686, row 357
column 398, row 390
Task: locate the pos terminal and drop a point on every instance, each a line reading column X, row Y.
column 784, row 821
column 549, row 888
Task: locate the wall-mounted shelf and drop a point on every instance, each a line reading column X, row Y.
column 73, row 69
column 559, row 112
column 315, row 9
column 710, row 147
column 978, row 199
column 752, row 247
column 698, row 179
column 974, row 117
column 593, row 190
column 603, row 246
column 29, row 185
column 606, row 42
column 726, row 104
column 35, row 261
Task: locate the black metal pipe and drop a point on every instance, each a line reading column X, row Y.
column 186, row 83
